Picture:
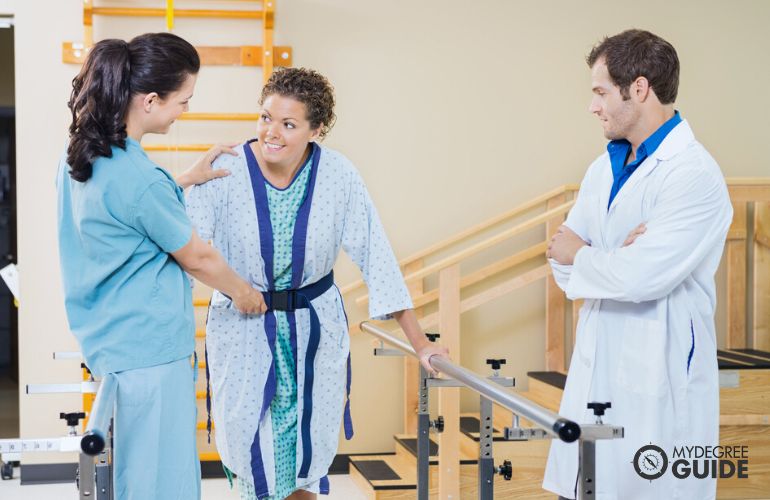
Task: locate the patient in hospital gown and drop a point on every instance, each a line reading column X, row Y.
column 280, row 382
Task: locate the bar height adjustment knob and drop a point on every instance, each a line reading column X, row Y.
column 433, row 336
column 505, row 470
column 73, row 419
column 438, row 424
column 496, row 363
column 599, row 409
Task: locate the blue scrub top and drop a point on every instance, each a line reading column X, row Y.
column 128, row 302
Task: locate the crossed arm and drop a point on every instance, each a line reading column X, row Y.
column 688, row 221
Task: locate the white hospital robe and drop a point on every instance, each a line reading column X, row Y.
column 341, row 216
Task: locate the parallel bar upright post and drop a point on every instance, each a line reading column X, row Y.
column 86, row 477
column 486, row 458
column 104, row 486
column 423, row 438
column 587, row 458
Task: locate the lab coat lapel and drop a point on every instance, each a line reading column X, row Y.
column 675, row 142
column 604, row 197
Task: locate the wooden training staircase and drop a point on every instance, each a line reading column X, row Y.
column 744, row 366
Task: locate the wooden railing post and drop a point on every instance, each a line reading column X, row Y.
column 411, row 365
column 555, row 301
column 761, row 276
column 736, row 278
column 449, row 398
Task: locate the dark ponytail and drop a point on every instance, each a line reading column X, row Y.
column 114, row 72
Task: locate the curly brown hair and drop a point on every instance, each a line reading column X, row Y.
column 310, row 88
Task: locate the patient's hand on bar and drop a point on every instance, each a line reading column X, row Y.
column 429, row 350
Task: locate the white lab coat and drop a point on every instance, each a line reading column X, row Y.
column 647, row 307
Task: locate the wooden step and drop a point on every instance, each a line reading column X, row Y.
column 382, row 477
column 375, row 476
column 744, row 404
column 546, row 388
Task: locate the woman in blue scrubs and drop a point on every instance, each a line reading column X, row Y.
column 125, row 243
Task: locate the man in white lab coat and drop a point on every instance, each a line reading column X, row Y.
column 641, row 246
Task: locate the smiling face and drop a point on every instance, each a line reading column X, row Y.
column 617, row 115
column 165, row 111
column 284, row 132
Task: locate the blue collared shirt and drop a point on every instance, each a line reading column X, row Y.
column 620, row 149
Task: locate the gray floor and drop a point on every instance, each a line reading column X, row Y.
column 342, row 488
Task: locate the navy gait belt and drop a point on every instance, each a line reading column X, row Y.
column 291, row 300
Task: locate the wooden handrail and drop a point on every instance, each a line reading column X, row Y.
column 490, row 242
column 741, row 189
column 748, row 181
column 748, row 189
column 528, row 205
column 431, row 320
column 477, row 276
column 457, row 238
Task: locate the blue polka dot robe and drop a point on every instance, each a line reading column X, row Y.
column 340, row 216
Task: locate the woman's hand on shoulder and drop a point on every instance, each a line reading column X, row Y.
column 201, row 172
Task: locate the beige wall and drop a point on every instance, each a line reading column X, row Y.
column 453, row 110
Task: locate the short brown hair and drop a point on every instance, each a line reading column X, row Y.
column 308, row 87
column 636, row 53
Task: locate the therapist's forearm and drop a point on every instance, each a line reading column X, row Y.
column 204, row 263
column 212, row 269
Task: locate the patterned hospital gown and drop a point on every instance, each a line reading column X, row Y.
column 266, row 452
column 284, row 204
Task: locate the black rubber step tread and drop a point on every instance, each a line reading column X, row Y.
column 375, row 470
column 212, row 469
column 746, row 362
column 754, row 352
column 729, row 365
column 357, row 461
column 470, row 427
column 411, row 446
column 555, row 379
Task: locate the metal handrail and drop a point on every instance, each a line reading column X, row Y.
column 553, row 424
column 96, row 433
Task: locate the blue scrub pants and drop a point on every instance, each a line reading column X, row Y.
column 156, row 455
